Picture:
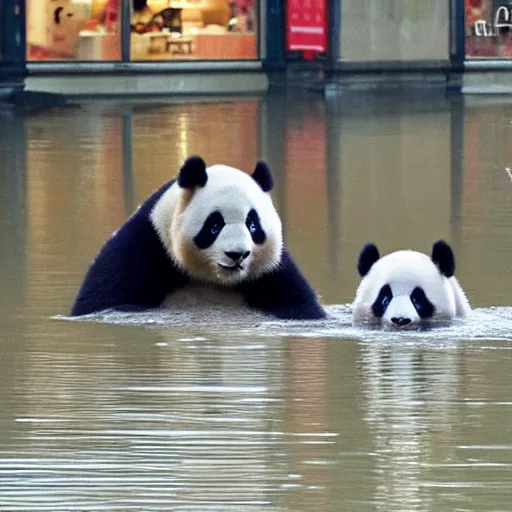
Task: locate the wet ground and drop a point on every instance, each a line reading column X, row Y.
column 175, row 416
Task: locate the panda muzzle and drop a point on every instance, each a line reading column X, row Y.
column 233, row 268
column 400, row 321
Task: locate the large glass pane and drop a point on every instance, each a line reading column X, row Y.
column 73, row 30
column 394, row 30
column 488, row 29
column 194, row 29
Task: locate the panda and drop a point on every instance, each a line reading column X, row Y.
column 408, row 289
column 215, row 227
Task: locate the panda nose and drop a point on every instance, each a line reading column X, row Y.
column 237, row 256
column 401, row 321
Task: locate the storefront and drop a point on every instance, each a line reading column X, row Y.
column 98, row 46
column 212, row 30
column 146, row 46
column 142, row 30
column 454, row 42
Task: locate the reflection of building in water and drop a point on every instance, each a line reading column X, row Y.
column 74, row 198
column 485, row 206
column 86, row 170
column 13, row 269
column 410, row 394
column 307, row 419
column 306, row 223
column 164, row 138
column 13, row 213
column 396, row 173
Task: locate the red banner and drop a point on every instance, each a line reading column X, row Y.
column 306, row 25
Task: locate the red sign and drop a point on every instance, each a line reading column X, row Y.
column 306, row 23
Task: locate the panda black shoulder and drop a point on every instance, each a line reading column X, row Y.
column 132, row 269
column 284, row 293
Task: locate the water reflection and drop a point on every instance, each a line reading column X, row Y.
column 157, row 418
column 402, row 173
column 95, row 417
column 410, row 398
column 13, row 210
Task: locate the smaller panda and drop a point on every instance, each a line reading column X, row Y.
column 210, row 229
column 408, row 289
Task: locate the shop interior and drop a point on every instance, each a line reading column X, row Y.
column 488, row 31
column 89, row 30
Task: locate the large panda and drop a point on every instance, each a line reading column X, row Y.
column 407, row 289
column 214, row 226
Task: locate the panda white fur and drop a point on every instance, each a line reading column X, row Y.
column 216, row 226
column 407, row 289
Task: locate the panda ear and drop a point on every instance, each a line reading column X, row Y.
column 368, row 256
column 263, row 176
column 442, row 256
column 193, row 173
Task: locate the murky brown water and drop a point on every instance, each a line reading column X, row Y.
column 108, row 417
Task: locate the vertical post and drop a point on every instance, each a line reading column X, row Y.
column 457, row 35
column 13, row 30
column 2, row 31
column 334, row 31
column 275, row 35
column 13, row 67
column 126, row 16
column 261, row 10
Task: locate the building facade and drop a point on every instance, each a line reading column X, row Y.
column 472, row 38
column 142, row 46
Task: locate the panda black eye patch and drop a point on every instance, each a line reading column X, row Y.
column 254, row 226
column 210, row 230
column 423, row 306
column 382, row 301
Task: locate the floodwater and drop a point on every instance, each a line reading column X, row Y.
column 305, row 417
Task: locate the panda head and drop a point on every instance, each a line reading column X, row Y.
column 221, row 225
column 406, row 288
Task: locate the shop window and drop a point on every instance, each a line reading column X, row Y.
column 193, row 29
column 83, row 30
column 489, row 29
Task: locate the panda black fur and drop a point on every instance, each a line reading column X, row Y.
column 407, row 288
column 216, row 226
